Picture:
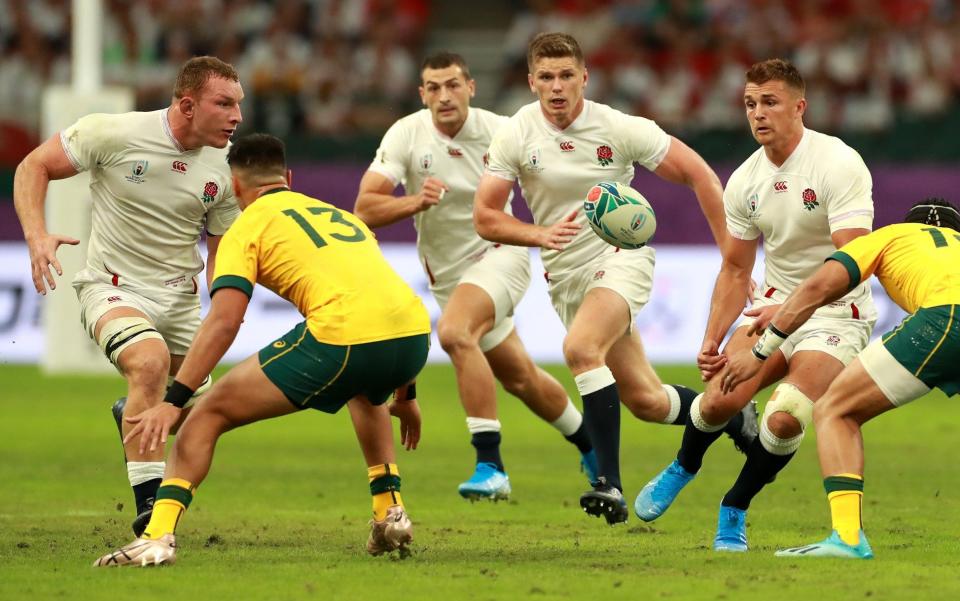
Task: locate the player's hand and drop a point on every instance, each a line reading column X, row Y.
column 408, row 412
column 153, row 426
column 740, row 367
column 558, row 235
column 709, row 360
column 431, row 193
column 43, row 255
column 763, row 316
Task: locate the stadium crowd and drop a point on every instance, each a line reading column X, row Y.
column 336, row 67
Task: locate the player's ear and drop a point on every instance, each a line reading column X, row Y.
column 472, row 87
column 290, row 178
column 586, row 77
column 186, row 106
column 238, row 188
column 530, row 83
column 423, row 98
column 801, row 106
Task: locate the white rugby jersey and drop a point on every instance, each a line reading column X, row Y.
column 557, row 167
column 824, row 186
column 412, row 150
column 150, row 197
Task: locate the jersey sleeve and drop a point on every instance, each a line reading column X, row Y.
column 849, row 193
column 238, row 255
column 643, row 140
column 91, row 141
column 222, row 215
column 503, row 157
column 391, row 158
column 737, row 211
column 862, row 255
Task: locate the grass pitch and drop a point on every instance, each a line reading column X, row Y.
column 283, row 513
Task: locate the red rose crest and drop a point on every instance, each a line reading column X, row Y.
column 210, row 190
column 810, row 199
column 604, row 155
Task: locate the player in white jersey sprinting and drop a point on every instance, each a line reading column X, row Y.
column 438, row 155
column 559, row 147
column 157, row 180
column 807, row 194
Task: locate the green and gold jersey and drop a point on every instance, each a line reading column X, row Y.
column 326, row 262
column 918, row 264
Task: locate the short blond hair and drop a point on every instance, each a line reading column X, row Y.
column 553, row 45
column 195, row 72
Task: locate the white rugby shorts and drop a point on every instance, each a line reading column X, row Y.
column 629, row 273
column 173, row 310
column 503, row 272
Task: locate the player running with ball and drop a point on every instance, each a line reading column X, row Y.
column 560, row 147
column 438, row 154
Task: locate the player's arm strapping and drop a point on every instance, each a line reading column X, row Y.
column 829, row 283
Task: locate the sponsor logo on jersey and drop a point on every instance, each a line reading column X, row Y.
column 179, row 167
column 752, row 203
column 599, row 275
column 566, row 146
column 113, row 299
column 833, row 340
column 810, row 199
column 426, row 161
column 534, row 164
column 486, row 159
column 780, row 186
column 138, row 171
column 604, row 155
column 210, row 190
column 454, row 152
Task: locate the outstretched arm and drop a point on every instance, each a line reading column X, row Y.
column 46, row 162
column 829, row 283
column 214, row 337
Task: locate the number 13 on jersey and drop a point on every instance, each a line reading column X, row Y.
column 336, row 220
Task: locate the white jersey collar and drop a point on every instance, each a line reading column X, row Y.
column 466, row 127
column 574, row 125
column 165, row 122
column 801, row 146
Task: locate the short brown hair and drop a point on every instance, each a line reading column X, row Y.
column 195, row 72
column 776, row 69
column 444, row 59
column 553, row 45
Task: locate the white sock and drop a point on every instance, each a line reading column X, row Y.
column 776, row 445
column 696, row 418
column 674, row 398
column 569, row 421
column 482, row 424
column 142, row 471
column 594, row 380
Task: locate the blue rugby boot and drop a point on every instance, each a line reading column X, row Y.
column 605, row 500
column 731, row 530
column 657, row 496
column 833, row 546
column 589, row 466
column 487, row 482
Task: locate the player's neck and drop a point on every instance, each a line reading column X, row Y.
column 180, row 130
column 451, row 129
column 780, row 151
column 563, row 121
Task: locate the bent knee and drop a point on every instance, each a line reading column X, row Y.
column 581, row 356
column 784, row 425
column 146, row 368
column 718, row 408
column 455, row 338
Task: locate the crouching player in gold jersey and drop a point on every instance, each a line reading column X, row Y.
column 918, row 263
column 365, row 335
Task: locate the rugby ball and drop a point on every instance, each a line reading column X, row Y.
column 620, row 215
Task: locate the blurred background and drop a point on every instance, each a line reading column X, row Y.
column 330, row 76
